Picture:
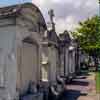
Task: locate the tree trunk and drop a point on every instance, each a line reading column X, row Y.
column 96, row 63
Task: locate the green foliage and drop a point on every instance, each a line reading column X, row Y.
column 98, row 82
column 88, row 35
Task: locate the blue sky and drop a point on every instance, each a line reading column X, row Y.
column 10, row 2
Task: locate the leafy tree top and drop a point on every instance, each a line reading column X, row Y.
column 88, row 34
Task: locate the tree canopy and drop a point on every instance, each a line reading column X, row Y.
column 88, row 35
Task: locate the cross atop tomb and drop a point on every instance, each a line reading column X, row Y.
column 51, row 14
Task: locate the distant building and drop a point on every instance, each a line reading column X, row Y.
column 63, row 46
column 68, row 55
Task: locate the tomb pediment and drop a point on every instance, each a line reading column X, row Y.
column 27, row 13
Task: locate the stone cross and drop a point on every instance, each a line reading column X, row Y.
column 51, row 14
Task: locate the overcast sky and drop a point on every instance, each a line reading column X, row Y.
column 67, row 12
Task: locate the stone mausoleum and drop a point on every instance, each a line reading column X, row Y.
column 29, row 52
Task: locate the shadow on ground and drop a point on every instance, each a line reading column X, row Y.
column 71, row 95
column 81, row 77
column 74, row 94
column 85, row 73
column 80, row 83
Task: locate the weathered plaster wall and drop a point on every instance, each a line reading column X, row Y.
column 31, row 55
column 8, row 68
column 66, row 63
column 53, row 64
column 72, row 62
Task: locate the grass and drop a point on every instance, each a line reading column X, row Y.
column 98, row 82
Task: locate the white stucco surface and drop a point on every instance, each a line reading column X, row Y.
column 8, row 62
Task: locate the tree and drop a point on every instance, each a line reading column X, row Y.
column 88, row 35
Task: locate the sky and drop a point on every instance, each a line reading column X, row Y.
column 11, row 2
column 68, row 13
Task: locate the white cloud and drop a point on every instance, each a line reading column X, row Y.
column 70, row 19
column 56, row 1
column 66, row 24
column 91, row 4
column 70, row 22
column 62, row 1
column 77, row 4
column 40, row 3
column 67, row 12
column 60, row 25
